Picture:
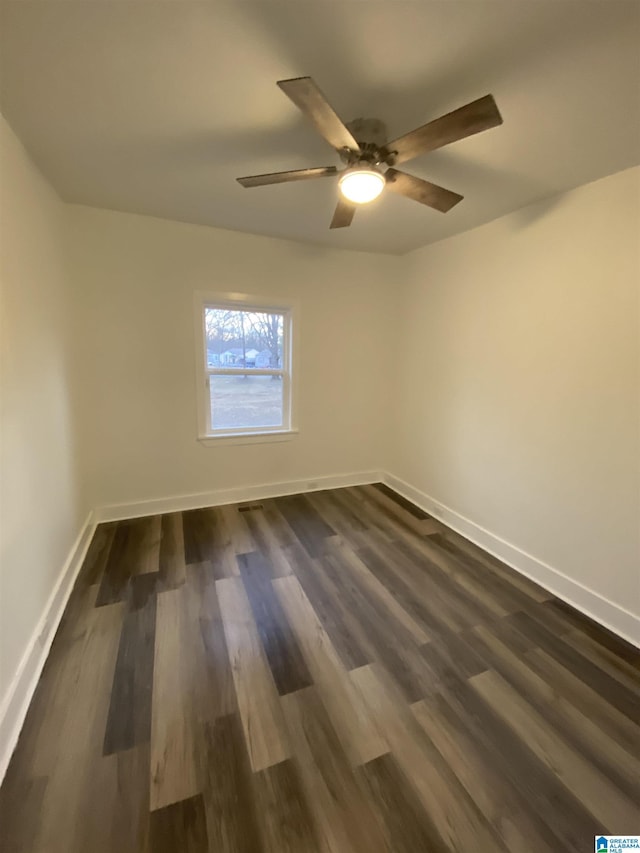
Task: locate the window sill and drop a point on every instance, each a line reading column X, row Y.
column 249, row 438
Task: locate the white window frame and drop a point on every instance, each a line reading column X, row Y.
column 245, row 302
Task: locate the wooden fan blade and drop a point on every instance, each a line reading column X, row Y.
column 285, row 177
column 307, row 97
column 473, row 118
column 422, row 191
column 343, row 215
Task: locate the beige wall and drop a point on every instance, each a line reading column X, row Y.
column 135, row 279
column 518, row 403
column 39, row 512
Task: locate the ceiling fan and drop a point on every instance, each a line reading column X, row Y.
column 369, row 159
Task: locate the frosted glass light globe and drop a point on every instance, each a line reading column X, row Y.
column 361, row 185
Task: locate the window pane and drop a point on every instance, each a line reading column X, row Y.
column 250, row 339
column 245, row 401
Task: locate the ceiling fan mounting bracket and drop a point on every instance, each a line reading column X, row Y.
column 368, row 132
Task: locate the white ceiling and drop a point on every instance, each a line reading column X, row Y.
column 156, row 107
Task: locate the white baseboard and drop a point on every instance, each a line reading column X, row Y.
column 157, row 506
column 16, row 702
column 592, row 604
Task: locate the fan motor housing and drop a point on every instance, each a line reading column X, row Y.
column 371, row 136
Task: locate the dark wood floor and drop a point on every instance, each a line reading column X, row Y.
column 329, row 672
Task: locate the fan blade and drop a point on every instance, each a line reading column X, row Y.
column 422, row 191
column 285, row 177
column 473, row 118
column 343, row 215
column 307, row 97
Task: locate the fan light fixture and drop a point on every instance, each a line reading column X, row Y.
column 361, row 185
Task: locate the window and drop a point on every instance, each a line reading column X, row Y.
column 244, row 368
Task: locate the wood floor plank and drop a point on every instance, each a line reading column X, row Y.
column 561, row 715
column 308, row 526
column 360, row 737
column 180, row 827
column 496, row 596
column 494, row 591
column 199, row 534
column 38, row 747
column 625, row 699
column 135, row 550
column 375, row 515
column 506, row 632
column 465, row 599
column 204, row 666
column 268, row 543
column 329, row 608
column 382, row 638
column 147, row 535
column 396, row 506
column 171, row 562
column 278, row 523
column 608, row 805
column 174, row 774
column 79, row 734
column 207, row 670
column 285, row 659
column 97, row 554
column 232, row 824
column 499, row 801
column 260, row 712
column 209, row 542
column 129, row 720
column 455, row 817
column 20, row 802
column 114, row 803
column 343, row 504
column 453, row 656
column 344, row 523
column 497, row 568
column 128, row 814
column 565, row 817
column 117, row 572
column 410, row 588
column 407, row 826
column 596, row 706
column 603, row 638
column 400, row 515
column 193, row 685
column 346, row 821
column 545, row 616
column 445, row 585
column 235, row 523
column 372, row 520
column 369, row 583
column 284, row 815
column 76, row 620
column 623, row 670
column 406, row 505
